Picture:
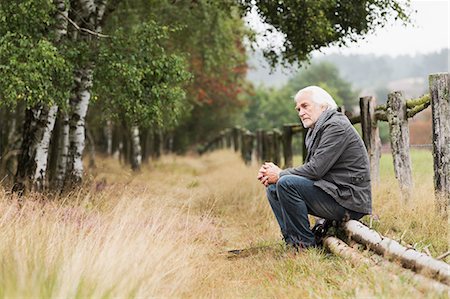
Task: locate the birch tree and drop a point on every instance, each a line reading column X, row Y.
column 138, row 83
column 35, row 72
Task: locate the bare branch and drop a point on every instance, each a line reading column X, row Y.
column 81, row 29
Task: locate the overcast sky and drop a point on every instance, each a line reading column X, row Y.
column 428, row 32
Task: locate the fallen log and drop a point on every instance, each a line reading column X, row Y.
column 392, row 250
column 340, row 248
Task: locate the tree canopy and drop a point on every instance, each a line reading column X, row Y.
column 309, row 25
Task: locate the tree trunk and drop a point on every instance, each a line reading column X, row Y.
column 32, row 162
column 63, row 151
column 108, row 131
column 48, row 121
column 136, row 159
column 61, row 17
column 79, row 105
column 87, row 14
column 91, row 146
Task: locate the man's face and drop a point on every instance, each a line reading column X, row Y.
column 308, row 111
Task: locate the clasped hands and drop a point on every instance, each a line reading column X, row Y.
column 269, row 173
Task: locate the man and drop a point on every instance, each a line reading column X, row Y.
column 334, row 181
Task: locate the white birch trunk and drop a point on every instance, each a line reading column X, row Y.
column 32, row 161
column 42, row 146
column 108, row 135
column 79, row 104
column 419, row 262
column 136, row 159
column 101, row 7
column 63, row 151
column 87, row 14
column 61, row 19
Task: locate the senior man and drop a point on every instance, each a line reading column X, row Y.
column 334, row 181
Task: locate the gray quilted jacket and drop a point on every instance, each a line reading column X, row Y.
column 338, row 163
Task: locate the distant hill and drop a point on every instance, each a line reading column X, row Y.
column 370, row 74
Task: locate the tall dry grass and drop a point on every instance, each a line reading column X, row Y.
column 163, row 233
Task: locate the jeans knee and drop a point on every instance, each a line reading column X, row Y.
column 271, row 192
column 288, row 181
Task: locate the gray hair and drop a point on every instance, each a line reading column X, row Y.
column 317, row 95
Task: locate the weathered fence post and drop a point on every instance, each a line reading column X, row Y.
column 247, row 146
column 259, row 145
column 399, row 136
column 236, row 138
column 223, row 141
column 228, row 138
column 440, row 107
column 304, row 150
column 287, row 146
column 276, row 158
column 267, row 146
column 371, row 135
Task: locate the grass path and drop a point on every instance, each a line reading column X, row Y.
column 163, row 232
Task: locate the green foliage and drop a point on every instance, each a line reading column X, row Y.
column 33, row 69
column 325, row 75
column 271, row 108
column 310, row 25
column 26, row 17
column 211, row 34
column 138, row 80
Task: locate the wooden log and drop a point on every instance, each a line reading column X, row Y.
column 411, row 103
column 371, row 136
column 340, row 248
column 296, row 128
column 381, row 115
column 440, row 107
column 399, row 136
column 277, row 135
column 391, row 249
column 287, row 146
column 355, row 119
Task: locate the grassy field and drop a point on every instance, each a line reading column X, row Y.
column 164, row 233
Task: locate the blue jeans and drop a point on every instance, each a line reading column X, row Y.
column 293, row 198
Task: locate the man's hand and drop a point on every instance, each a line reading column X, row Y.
column 269, row 173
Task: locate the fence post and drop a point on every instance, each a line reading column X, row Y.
column 268, row 146
column 287, row 146
column 399, row 136
column 259, row 145
column 247, row 146
column 371, row 135
column 440, row 107
column 236, row 138
column 277, row 135
column 304, row 150
column 228, row 138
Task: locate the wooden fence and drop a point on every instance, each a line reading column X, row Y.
column 271, row 145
